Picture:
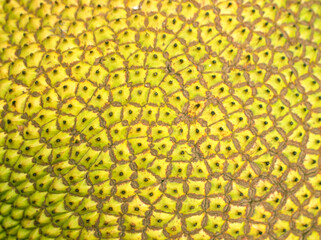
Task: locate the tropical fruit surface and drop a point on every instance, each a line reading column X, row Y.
column 174, row 119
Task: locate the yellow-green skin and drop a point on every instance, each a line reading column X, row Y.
column 151, row 119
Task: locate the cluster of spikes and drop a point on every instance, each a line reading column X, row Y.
column 145, row 119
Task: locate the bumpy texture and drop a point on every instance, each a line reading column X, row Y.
column 160, row 119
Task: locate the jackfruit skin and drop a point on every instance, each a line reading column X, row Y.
column 145, row 119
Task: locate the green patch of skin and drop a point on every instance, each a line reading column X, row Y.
column 139, row 95
column 71, row 56
column 56, row 75
column 156, row 96
column 196, row 90
column 27, row 76
column 182, row 153
column 43, row 184
column 145, row 179
column 31, row 147
column 274, row 138
column 151, row 193
column 303, row 194
column 214, row 224
column 100, row 98
column 208, row 148
column 174, row 226
column 155, row 60
column 113, row 62
column 236, row 229
column 136, row 60
column 100, row 140
column 91, row 55
column 217, row 185
column 138, row 130
column 121, row 173
column 162, row 147
column 137, row 76
column 98, row 176
column 14, row 140
column 314, row 141
column 311, row 161
column 196, row 131
column 74, row 176
column 107, row 220
column 163, row 40
column 118, row 132
column 165, row 204
column 50, row 99
column 179, row 169
column 313, row 206
column 243, row 93
column 287, row 124
column 159, row 132
column 281, row 227
column 166, row 115
column 215, row 163
column 112, row 207
column 174, row 24
column 90, row 219
column 263, row 187
column 121, row 152
column 112, row 115
column 72, row 106
column 279, row 168
column 103, row 190
column 159, row 219
column 196, row 187
column 237, row 211
column 61, row 139
column 66, row 122
column 181, row 62
column 62, row 168
column 174, row 189
column 98, row 75
column 194, row 222
column 149, row 113
column 258, row 107
column 23, row 164
column 16, row 178
column 159, row 168
column 125, row 190
column 238, row 192
column 170, row 85
column 199, row 170
column 117, row 79
column 137, row 207
column 144, row 159
column 33, row 105
column 207, row 32
column 156, row 234
column 133, row 222
column 81, row 188
column 191, row 206
column 274, row 199
column 80, row 70
column 147, row 38
column 130, row 113
column 5, row 173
